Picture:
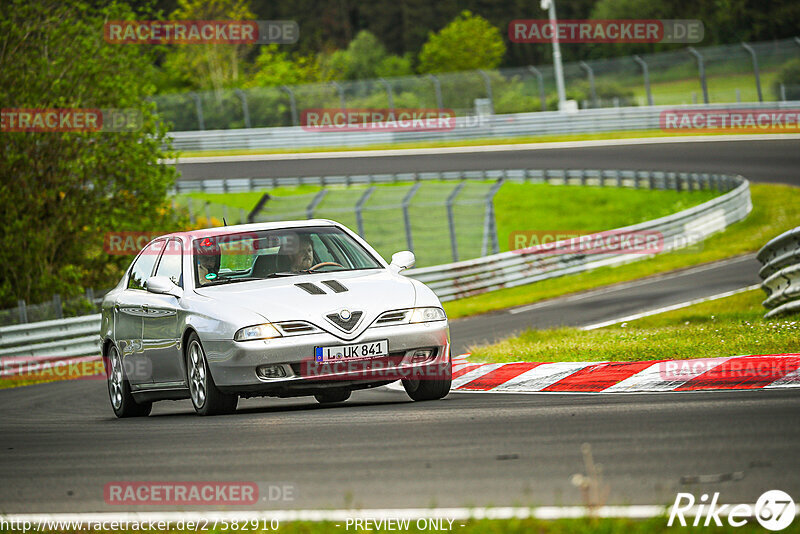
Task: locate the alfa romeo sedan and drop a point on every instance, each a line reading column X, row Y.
column 275, row 309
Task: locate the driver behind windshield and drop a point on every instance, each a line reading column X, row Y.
column 299, row 257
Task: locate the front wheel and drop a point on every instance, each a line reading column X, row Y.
column 206, row 398
column 423, row 389
column 119, row 389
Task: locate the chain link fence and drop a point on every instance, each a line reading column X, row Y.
column 728, row 73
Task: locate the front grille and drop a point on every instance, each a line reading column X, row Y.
column 392, row 317
column 290, row 328
column 336, row 286
column 311, row 288
column 348, row 325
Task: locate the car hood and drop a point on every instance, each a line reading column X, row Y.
column 371, row 292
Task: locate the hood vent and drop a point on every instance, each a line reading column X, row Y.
column 348, row 325
column 336, row 286
column 311, row 288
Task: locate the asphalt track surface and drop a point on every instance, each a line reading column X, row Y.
column 758, row 160
column 61, row 444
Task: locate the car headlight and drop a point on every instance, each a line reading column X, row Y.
column 426, row 315
column 259, row 331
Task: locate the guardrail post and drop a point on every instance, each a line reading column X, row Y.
column 245, row 111
column 646, row 74
column 359, row 207
column 292, row 104
column 406, row 218
column 489, row 223
column 315, row 202
column 540, row 79
column 23, row 311
column 701, row 71
column 251, row 217
column 451, row 219
column 619, row 178
column 198, row 106
column 339, row 88
column 488, row 83
column 590, row 73
column 389, row 94
column 755, row 69
column 437, row 86
column 57, row 306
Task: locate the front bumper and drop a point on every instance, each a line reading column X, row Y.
column 233, row 364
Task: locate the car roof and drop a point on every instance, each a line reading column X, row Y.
column 253, row 227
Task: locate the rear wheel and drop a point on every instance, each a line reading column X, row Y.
column 119, row 389
column 206, row 398
column 423, row 389
column 330, row 397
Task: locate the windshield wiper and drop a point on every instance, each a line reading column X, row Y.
column 279, row 275
column 220, row 281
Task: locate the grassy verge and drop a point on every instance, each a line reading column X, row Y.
column 511, row 526
column 776, row 208
column 450, row 143
column 732, row 326
column 542, row 207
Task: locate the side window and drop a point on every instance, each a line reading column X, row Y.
column 171, row 264
column 144, row 264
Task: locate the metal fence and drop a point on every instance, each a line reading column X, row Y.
column 509, row 269
column 781, row 273
column 54, row 308
column 728, row 73
column 440, row 216
column 494, row 126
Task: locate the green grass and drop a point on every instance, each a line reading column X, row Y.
column 507, row 526
column 720, row 89
column 776, row 208
column 518, row 206
column 732, row 326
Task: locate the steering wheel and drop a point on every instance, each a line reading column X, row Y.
column 324, row 263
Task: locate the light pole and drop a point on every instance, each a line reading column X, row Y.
column 550, row 6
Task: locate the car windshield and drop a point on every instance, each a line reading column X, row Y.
column 275, row 253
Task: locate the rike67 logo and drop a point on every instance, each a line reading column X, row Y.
column 774, row 510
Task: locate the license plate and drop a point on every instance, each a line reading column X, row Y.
column 355, row 351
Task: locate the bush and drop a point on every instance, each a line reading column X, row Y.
column 789, row 76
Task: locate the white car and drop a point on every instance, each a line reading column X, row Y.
column 277, row 309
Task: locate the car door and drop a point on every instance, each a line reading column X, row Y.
column 129, row 311
column 161, row 336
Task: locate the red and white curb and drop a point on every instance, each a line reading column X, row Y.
column 735, row 373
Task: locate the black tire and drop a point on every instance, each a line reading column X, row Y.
column 206, row 398
column 430, row 389
column 335, row 395
column 119, row 389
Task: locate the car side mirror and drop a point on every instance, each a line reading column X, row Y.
column 402, row 261
column 161, row 285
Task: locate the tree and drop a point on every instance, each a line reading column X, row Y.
column 469, row 42
column 208, row 66
column 60, row 193
column 275, row 67
column 365, row 57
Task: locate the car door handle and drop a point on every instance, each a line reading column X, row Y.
column 145, row 307
column 116, row 307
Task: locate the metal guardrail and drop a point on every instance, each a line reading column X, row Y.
column 509, row 269
column 50, row 341
column 483, row 127
column 780, row 258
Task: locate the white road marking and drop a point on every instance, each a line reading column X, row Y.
column 669, row 308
